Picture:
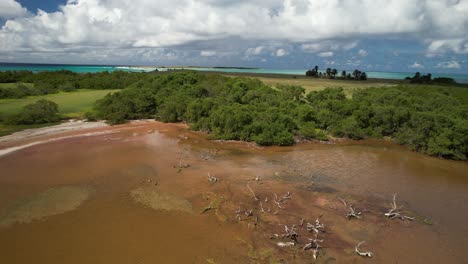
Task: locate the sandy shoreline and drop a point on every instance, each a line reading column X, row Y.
column 72, row 125
column 31, row 137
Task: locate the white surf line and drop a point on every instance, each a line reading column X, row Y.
column 13, row 149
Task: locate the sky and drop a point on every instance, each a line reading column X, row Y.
column 370, row 35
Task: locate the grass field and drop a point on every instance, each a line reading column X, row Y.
column 320, row 84
column 314, row 84
column 70, row 104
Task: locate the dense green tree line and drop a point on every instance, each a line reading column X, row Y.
column 66, row 81
column 427, row 119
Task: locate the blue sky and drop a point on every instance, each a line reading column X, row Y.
column 406, row 36
column 46, row 5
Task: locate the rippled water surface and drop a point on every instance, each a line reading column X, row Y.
column 139, row 193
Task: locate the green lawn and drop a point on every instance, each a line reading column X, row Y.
column 70, row 104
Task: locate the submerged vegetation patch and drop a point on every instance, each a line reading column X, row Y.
column 151, row 197
column 53, row 201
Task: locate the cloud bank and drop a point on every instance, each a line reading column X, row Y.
column 106, row 28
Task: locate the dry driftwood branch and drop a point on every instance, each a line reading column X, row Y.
column 362, row 254
column 238, row 213
column 205, row 156
column 317, row 227
column 277, row 202
column 352, row 213
column 253, row 193
column 212, row 179
column 261, row 208
column 290, row 233
column 394, row 211
column 285, row 244
column 314, row 245
column 282, row 200
column 287, row 196
column 246, row 213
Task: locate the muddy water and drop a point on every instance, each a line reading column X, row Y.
column 139, row 193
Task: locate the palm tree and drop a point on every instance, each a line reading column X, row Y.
column 363, row 76
column 356, row 74
column 343, row 74
column 334, row 72
column 328, row 71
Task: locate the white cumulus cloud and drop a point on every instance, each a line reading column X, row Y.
column 449, row 65
column 281, row 52
column 417, row 65
column 207, row 53
column 363, row 53
column 317, row 26
column 326, row 54
column 11, row 8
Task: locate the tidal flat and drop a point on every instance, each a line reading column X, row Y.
column 141, row 193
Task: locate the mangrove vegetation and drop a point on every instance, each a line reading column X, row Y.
column 428, row 119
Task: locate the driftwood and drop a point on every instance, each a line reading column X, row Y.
column 277, row 202
column 395, row 213
column 314, row 245
column 212, row 179
column 352, row 213
column 290, row 233
column 282, row 200
column 205, row 156
column 362, row 254
column 246, row 213
column 253, row 193
column 317, row 227
column 285, row 244
column 301, row 223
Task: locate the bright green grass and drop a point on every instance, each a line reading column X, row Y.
column 71, row 104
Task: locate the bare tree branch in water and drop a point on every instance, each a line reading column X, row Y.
column 314, row 245
column 290, row 233
column 205, row 156
column 394, row 211
column 253, row 193
column 282, row 200
column 212, row 179
column 362, row 254
column 261, row 208
column 352, row 213
column 317, row 227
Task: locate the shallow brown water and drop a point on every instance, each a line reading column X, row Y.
column 139, row 207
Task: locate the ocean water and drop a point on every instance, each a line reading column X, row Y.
column 461, row 78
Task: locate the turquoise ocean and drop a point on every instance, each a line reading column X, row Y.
column 461, row 78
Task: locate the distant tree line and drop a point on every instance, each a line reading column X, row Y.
column 432, row 120
column 427, row 79
column 49, row 82
column 333, row 74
